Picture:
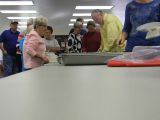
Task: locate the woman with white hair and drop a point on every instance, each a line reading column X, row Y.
column 34, row 46
column 74, row 39
column 29, row 26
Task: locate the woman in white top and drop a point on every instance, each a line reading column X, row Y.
column 51, row 43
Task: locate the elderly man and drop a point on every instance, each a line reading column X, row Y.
column 8, row 41
column 110, row 29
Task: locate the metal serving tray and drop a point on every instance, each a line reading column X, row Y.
column 88, row 58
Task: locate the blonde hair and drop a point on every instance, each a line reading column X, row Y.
column 39, row 21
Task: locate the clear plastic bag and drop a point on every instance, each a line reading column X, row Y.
column 138, row 48
column 139, row 57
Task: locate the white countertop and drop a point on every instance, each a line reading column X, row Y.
column 81, row 93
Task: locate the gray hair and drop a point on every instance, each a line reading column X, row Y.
column 97, row 11
column 30, row 22
column 28, row 30
column 40, row 21
column 78, row 24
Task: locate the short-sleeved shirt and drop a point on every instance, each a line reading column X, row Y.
column 9, row 40
column 51, row 43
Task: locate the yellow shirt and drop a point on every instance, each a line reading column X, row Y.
column 110, row 32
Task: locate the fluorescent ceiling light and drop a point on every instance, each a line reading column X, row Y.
column 18, row 18
column 85, row 20
column 73, row 20
column 92, row 7
column 81, row 14
column 22, row 26
column 71, row 24
column 22, row 23
column 16, row 3
column 18, row 11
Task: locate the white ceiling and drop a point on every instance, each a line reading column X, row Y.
column 59, row 12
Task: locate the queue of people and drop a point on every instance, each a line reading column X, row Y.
column 104, row 34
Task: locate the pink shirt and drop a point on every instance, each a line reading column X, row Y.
column 33, row 45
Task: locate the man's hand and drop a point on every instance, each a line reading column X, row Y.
column 120, row 42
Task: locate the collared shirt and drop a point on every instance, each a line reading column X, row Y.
column 110, row 32
column 9, row 40
column 33, row 45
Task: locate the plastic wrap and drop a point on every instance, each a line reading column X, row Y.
column 138, row 48
column 139, row 57
column 152, row 29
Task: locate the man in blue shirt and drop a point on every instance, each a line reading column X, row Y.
column 8, row 41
